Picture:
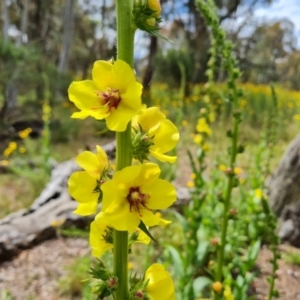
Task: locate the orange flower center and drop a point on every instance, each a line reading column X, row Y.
column 137, row 199
column 111, row 97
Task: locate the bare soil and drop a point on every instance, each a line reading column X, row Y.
column 35, row 273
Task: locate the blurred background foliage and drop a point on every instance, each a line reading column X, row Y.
column 44, row 45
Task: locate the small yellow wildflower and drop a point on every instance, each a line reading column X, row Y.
column 160, row 285
column 238, row 171
column 206, row 147
column 190, row 184
column 258, row 193
column 22, row 150
column 4, row 162
column 133, row 193
column 203, row 127
column 193, row 175
column 113, row 94
column 130, row 265
column 12, row 146
column 222, row 168
column 296, row 117
column 24, row 133
column 184, row 123
column 198, row 138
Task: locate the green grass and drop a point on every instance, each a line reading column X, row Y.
column 292, row 257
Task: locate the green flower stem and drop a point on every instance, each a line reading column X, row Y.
column 125, row 39
column 227, row 200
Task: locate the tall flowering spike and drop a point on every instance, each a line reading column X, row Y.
column 101, row 237
column 84, row 186
column 132, row 195
column 112, row 94
column 154, row 134
column 160, row 284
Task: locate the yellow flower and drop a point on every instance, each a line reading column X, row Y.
column 130, row 265
column 238, row 170
column 84, row 185
column 160, row 135
column 193, row 175
column 22, row 150
column 24, row 133
column 222, row 168
column 154, row 5
column 4, row 162
column 101, row 238
column 227, row 293
column 198, row 139
column 12, row 146
column 132, row 195
column 190, row 184
column 113, row 94
column 184, row 123
column 296, row 117
column 160, row 285
column 206, row 147
column 258, row 193
column 203, row 127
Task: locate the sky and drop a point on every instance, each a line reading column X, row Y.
column 282, row 9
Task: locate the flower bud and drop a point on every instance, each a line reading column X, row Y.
column 155, row 5
column 217, row 287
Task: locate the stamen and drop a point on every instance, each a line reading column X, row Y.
column 137, row 199
column 110, row 97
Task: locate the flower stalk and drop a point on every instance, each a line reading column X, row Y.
column 229, row 64
column 125, row 39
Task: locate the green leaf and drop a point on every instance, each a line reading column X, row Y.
column 200, row 283
column 143, row 227
column 180, row 218
column 177, row 259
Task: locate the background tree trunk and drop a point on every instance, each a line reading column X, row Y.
column 67, row 36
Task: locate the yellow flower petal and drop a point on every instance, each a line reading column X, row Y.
column 103, row 75
column 81, row 186
column 121, row 217
column 160, row 285
column 163, row 157
column 79, row 90
column 155, row 192
column 86, row 209
column 92, row 163
column 124, row 75
column 98, row 230
column 119, row 118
